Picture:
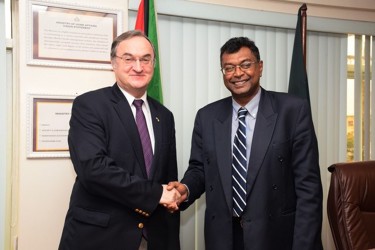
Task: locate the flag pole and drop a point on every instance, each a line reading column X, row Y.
column 303, row 31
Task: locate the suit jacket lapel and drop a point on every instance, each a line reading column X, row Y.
column 125, row 114
column 156, row 124
column 263, row 131
column 222, row 134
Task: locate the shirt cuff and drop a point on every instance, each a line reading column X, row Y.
column 188, row 192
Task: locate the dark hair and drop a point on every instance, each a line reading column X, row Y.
column 125, row 36
column 234, row 44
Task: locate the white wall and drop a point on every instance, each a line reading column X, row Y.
column 3, row 127
column 362, row 10
column 43, row 186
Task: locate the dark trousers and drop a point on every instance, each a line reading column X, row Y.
column 238, row 243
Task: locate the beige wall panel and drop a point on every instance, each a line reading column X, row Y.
column 42, row 187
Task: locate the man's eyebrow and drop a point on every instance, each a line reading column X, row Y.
column 129, row 54
column 244, row 60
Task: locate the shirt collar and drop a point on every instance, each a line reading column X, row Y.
column 131, row 98
column 252, row 106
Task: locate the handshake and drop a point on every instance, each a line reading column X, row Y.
column 173, row 194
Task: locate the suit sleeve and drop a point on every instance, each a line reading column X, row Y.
column 194, row 176
column 305, row 161
column 96, row 171
column 172, row 159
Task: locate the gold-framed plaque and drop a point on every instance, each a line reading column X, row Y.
column 68, row 35
column 48, row 125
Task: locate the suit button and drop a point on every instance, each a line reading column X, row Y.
column 140, row 225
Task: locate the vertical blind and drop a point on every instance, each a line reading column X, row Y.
column 190, row 67
column 364, row 100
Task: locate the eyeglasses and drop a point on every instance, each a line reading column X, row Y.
column 230, row 69
column 129, row 60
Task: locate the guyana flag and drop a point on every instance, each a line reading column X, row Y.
column 298, row 83
column 146, row 22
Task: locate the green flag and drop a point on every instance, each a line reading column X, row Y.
column 298, row 83
column 146, row 21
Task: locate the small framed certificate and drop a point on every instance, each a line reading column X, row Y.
column 67, row 35
column 48, row 125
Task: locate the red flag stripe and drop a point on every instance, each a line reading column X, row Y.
column 143, row 17
column 140, row 22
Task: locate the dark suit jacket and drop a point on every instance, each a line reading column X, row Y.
column 112, row 199
column 284, row 201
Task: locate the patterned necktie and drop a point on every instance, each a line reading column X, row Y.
column 239, row 165
column 144, row 135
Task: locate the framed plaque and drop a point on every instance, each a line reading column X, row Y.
column 67, row 35
column 48, row 125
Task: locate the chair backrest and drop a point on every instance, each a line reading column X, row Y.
column 351, row 205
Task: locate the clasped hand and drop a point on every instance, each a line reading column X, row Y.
column 173, row 194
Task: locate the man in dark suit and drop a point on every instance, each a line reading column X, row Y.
column 255, row 155
column 118, row 197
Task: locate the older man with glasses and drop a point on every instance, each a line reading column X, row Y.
column 123, row 148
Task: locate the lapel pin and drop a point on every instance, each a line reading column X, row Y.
column 157, row 118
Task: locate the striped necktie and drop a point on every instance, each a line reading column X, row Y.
column 239, row 165
column 144, row 135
